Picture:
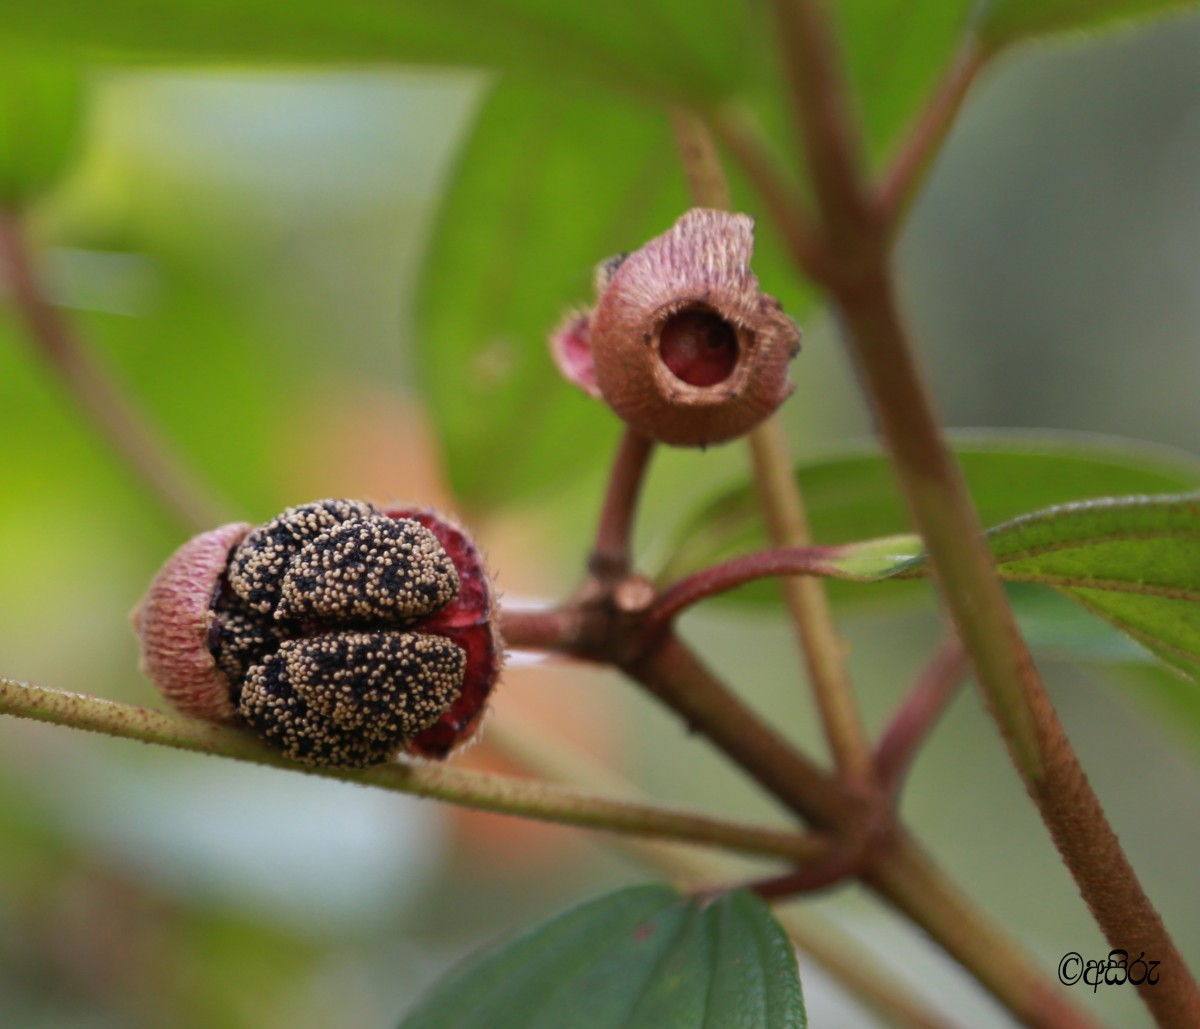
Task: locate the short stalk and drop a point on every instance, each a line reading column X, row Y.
column 610, row 558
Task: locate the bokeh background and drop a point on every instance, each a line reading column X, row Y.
column 242, row 250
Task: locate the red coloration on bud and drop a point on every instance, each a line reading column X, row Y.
column 699, row 347
column 683, row 345
column 573, row 355
column 470, row 623
column 340, row 634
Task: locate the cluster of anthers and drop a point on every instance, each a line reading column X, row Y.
column 345, row 635
column 341, row 634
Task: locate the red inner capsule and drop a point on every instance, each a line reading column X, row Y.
column 467, row 622
column 699, row 347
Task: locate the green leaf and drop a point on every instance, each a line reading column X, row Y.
column 550, row 184
column 1134, row 561
column 1008, row 21
column 853, row 496
column 641, row 958
column 671, row 49
column 41, row 111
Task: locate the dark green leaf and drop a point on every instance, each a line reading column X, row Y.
column 41, row 110
column 1009, row 21
column 549, row 185
column 641, row 958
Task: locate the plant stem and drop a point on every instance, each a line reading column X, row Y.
column 825, row 126
column 787, row 523
column 919, row 713
column 816, row 937
column 906, row 876
column 863, row 290
column 546, row 629
column 610, row 558
column 888, row 861
column 503, row 794
column 707, row 184
column 738, row 571
column 823, row 649
column 922, row 142
column 963, row 567
column 677, row 677
column 110, row 411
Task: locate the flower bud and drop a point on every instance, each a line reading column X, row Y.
column 341, row 634
column 681, row 343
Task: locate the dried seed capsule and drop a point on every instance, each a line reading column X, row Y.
column 340, row 634
column 682, row 344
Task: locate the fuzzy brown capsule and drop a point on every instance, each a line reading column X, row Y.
column 682, row 344
column 341, row 634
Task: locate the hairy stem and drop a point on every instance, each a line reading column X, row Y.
column 610, row 558
column 129, row 435
column 824, row 651
column 502, row 794
column 677, row 677
column 919, row 714
column 904, row 875
column 963, row 567
column 863, row 290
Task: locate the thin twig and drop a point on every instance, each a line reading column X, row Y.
column 610, row 557
column 129, row 435
column 738, row 571
column 787, row 523
column 919, row 714
column 503, row 794
column 922, row 142
column 824, row 651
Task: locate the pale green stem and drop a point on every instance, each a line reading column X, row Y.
column 502, row 794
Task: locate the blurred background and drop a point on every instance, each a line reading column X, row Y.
column 242, row 252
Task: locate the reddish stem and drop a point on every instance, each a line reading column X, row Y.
column 919, row 714
column 610, row 558
column 924, row 139
column 738, row 571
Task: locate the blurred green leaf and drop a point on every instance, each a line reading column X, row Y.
column 41, row 112
column 641, row 957
column 550, row 184
column 853, row 496
column 671, row 49
column 1009, row 21
column 896, row 51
